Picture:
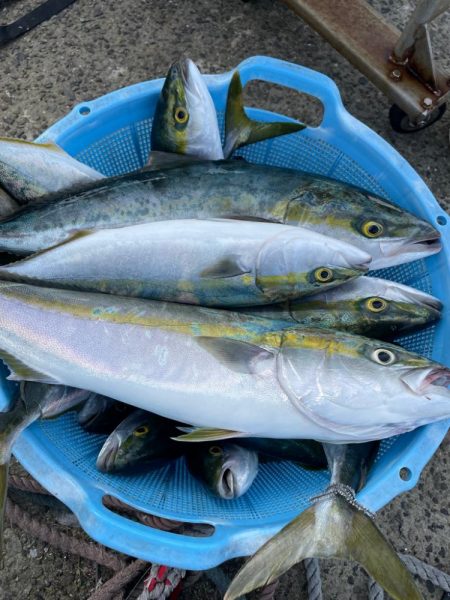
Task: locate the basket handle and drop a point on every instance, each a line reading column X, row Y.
column 301, row 79
column 164, row 547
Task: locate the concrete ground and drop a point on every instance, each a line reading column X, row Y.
column 94, row 47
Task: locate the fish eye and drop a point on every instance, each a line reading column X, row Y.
column 216, row 451
column 372, row 229
column 141, row 430
column 181, row 115
column 383, row 356
column 323, row 275
column 376, row 304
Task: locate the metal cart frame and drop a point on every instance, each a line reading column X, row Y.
column 400, row 64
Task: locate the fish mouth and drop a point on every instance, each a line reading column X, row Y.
column 187, row 68
column 228, row 484
column 422, row 247
column 439, row 377
column 421, row 381
column 428, row 245
column 423, row 300
column 107, row 456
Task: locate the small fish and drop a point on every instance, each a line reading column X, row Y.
column 29, row 170
column 140, row 438
column 32, row 401
column 228, row 470
column 369, row 306
column 335, row 526
column 250, row 376
column 307, row 453
column 101, row 414
column 185, row 120
column 212, row 263
column 225, row 189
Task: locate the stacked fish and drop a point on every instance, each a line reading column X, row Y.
column 124, row 286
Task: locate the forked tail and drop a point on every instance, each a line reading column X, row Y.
column 240, row 130
column 334, row 527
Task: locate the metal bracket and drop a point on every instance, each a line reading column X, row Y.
column 400, row 64
column 413, row 48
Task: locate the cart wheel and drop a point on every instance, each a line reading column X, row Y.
column 400, row 121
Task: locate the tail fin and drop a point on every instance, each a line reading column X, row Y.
column 332, row 528
column 240, row 130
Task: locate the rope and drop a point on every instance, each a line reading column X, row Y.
column 313, row 578
column 426, row 572
column 117, row 583
column 375, row 591
column 161, row 582
column 26, row 484
column 62, row 541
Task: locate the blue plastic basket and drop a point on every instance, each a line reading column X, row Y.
column 112, row 135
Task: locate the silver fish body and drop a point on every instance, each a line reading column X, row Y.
column 212, row 263
column 221, row 190
column 221, row 369
column 29, row 170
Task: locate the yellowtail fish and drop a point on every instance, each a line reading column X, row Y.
column 29, row 170
column 228, row 470
column 369, row 306
column 335, row 526
column 141, row 438
column 185, row 120
column 237, row 375
column 226, row 189
column 212, row 263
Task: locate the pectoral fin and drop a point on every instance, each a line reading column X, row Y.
column 332, row 530
column 238, row 356
column 206, row 434
column 240, row 130
column 20, row 371
column 227, row 267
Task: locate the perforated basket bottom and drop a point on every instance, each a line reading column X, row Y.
column 279, row 488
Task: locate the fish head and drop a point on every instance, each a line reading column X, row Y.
column 298, row 262
column 390, row 308
column 229, row 470
column 185, row 120
column 361, row 389
column 391, row 235
column 369, row 306
column 136, row 439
